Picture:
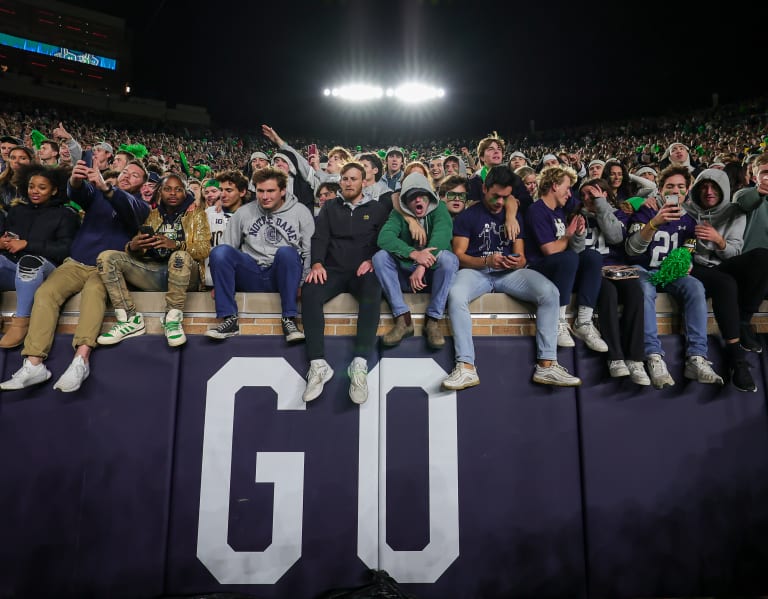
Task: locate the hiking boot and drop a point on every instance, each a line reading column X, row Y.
column 73, row 376
column 399, row 331
column 749, row 339
column 124, row 328
column 461, row 378
column 698, row 368
column 26, row 376
column 227, row 328
column 617, row 368
column 564, row 338
column 657, row 369
column 174, row 332
column 556, row 375
column 587, row 332
column 358, row 381
column 319, row 374
column 434, row 335
column 637, row 373
column 15, row 333
column 291, row 331
column 741, row 377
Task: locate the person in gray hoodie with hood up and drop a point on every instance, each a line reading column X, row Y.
column 736, row 281
column 402, row 264
column 265, row 247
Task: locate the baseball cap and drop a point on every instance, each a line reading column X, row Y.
column 261, row 155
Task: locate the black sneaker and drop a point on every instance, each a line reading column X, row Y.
column 741, row 377
column 749, row 340
column 227, row 328
column 291, row 331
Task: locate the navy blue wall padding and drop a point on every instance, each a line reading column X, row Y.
column 608, row 490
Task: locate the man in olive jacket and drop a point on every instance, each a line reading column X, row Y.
column 404, row 265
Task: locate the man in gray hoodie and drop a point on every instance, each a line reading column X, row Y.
column 265, row 247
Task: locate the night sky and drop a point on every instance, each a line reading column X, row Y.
column 502, row 64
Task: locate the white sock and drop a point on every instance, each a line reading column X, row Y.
column 318, row 362
column 360, row 362
column 585, row 315
column 562, row 312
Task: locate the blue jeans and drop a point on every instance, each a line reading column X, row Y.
column 525, row 284
column 689, row 293
column 394, row 280
column 233, row 270
column 25, row 277
column 569, row 270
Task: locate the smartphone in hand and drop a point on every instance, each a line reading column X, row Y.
column 146, row 230
column 88, row 158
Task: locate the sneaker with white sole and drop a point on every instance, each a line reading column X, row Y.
column 358, row 381
column 657, row 369
column 29, row 374
column 125, row 327
column 291, row 331
column 319, row 374
column 461, row 378
column 226, row 328
column 698, row 368
column 73, row 376
column 617, row 368
column 589, row 334
column 174, row 332
column 556, row 375
column 564, row 338
column 637, row 373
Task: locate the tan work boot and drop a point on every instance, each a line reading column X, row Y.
column 16, row 332
column 434, row 335
column 403, row 328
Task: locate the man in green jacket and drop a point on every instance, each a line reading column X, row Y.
column 404, row 265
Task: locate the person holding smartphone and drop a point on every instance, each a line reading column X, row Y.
column 653, row 234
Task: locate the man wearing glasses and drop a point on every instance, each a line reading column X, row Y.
column 453, row 191
column 403, row 264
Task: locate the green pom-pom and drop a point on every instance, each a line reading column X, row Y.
column 359, row 148
column 414, row 155
column 184, row 163
column 635, row 202
column 656, row 149
column 37, row 138
column 447, row 152
column 674, row 266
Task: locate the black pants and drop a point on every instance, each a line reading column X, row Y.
column 624, row 336
column 737, row 286
column 366, row 290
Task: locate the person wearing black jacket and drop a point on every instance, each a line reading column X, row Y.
column 38, row 234
column 343, row 245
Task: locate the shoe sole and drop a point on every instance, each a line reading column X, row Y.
column 73, row 389
column 460, row 387
column 116, row 340
column 693, row 377
column 327, row 378
column 217, row 335
column 176, row 342
column 541, row 381
column 754, row 350
column 395, row 343
column 4, row 388
column 295, row 338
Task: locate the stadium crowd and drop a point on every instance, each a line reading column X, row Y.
column 609, row 214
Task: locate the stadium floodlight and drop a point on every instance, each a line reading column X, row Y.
column 358, row 92
column 326, row 92
column 413, row 93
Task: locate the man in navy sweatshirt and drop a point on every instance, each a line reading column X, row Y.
column 112, row 217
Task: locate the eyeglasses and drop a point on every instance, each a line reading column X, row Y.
column 456, row 195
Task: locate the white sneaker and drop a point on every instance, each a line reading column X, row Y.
column 73, row 376
column 617, row 368
column 657, row 368
column 174, row 332
column 461, row 378
column 587, row 332
column 637, row 373
column 358, row 381
column 124, row 327
column 564, row 338
column 555, row 375
column 26, row 376
column 699, row 369
column 319, row 374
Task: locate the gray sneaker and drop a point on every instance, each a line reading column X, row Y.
column 555, row 375
column 590, row 336
column 461, row 378
column 699, row 369
column 358, row 382
column 564, row 338
column 319, row 374
column 73, row 376
column 637, row 373
column 26, row 376
column 657, row 368
column 617, row 368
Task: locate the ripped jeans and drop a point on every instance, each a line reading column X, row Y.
column 25, row 277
